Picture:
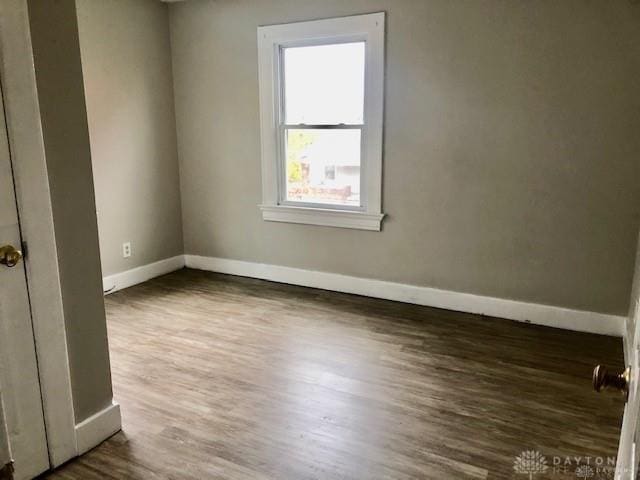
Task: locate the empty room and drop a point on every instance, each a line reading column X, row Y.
column 319, row 239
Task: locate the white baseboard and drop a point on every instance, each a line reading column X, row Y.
column 128, row 278
column 97, row 428
column 559, row 317
column 578, row 320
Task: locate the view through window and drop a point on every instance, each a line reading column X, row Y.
column 323, row 121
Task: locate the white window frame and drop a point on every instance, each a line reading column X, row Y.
column 272, row 39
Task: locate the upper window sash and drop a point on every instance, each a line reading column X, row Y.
column 295, row 84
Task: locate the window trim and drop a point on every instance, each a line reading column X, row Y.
column 271, row 41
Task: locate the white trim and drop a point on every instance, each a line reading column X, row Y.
column 98, row 427
column 578, row 320
column 36, row 223
column 319, row 216
column 128, row 278
column 369, row 28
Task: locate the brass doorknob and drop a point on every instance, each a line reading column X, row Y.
column 603, row 379
column 9, row 256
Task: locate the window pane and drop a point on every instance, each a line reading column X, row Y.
column 324, row 84
column 323, row 166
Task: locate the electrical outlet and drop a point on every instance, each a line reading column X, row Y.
column 126, row 249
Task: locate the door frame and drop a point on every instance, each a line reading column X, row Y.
column 26, row 142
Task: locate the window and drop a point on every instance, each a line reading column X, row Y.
column 321, row 101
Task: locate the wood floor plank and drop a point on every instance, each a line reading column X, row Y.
column 234, row 378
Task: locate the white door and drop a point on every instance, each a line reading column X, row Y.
column 627, row 461
column 19, row 384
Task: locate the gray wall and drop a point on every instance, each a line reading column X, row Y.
column 126, row 62
column 66, row 138
column 512, row 153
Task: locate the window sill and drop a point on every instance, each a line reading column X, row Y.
column 323, row 217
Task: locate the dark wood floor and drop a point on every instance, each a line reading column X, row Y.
column 231, row 378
